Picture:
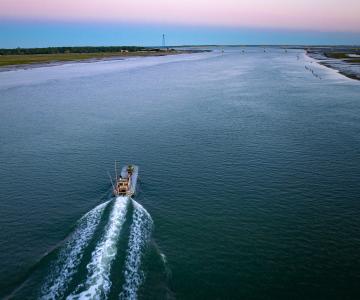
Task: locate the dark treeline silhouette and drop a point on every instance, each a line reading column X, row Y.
column 61, row 50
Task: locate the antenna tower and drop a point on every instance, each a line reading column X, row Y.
column 163, row 41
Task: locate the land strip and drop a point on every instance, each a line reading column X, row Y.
column 344, row 59
column 12, row 58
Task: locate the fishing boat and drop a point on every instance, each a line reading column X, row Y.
column 125, row 182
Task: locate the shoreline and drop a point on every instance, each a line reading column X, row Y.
column 49, row 60
column 336, row 58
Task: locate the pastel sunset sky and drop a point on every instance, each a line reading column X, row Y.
column 141, row 22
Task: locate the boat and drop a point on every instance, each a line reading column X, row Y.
column 125, row 183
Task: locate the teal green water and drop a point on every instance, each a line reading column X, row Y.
column 249, row 179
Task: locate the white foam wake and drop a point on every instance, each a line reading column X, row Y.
column 97, row 285
column 140, row 232
column 71, row 254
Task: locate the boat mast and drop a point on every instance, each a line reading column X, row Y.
column 111, row 181
column 116, row 177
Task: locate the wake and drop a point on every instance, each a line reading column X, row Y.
column 98, row 282
column 140, row 232
column 70, row 256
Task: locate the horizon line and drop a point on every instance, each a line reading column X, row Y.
column 196, row 45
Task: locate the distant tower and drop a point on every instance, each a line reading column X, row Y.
column 163, row 41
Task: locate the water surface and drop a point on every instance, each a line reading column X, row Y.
column 249, row 166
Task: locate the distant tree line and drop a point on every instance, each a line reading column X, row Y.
column 61, row 50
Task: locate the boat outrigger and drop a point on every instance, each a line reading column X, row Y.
column 125, row 183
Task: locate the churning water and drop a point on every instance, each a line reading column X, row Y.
column 66, row 278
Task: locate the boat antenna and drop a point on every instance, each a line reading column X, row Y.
column 116, row 177
column 111, row 181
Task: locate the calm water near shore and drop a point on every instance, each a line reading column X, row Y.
column 249, row 170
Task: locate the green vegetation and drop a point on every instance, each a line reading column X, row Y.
column 19, row 56
column 338, row 55
column 65, row 50
column 353, row 60
column 345, row 55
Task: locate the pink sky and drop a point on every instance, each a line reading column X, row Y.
column 324, row 15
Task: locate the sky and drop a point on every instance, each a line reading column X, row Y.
column 42, row 23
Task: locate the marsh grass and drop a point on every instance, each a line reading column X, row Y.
column 12, row 60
